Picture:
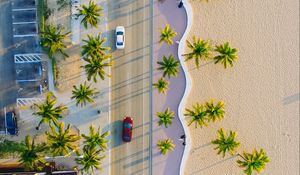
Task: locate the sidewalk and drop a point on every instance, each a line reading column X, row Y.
column 167, row 12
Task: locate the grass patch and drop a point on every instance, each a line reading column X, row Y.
column 9, row 149
column 40, row 13
column 55, row 72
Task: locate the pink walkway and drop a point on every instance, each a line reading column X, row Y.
column 167, row 12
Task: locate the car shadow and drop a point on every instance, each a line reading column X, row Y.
column 115, row 133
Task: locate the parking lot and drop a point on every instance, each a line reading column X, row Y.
column 21, row 4
column 23, row 74
column 8, row 89
column 28, row 71
column 26, row 45
column 24, row 16
column 25, row 29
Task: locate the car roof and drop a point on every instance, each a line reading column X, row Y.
column 128, row 119
column 119, row 38
column 10, row 119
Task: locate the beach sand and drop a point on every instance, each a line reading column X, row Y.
column 261, row 91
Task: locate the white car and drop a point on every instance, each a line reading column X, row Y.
column 120, row 37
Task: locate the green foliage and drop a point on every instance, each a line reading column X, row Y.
column 202, row 114
column 96, row 67
column 161, row 85
column 169, row 66
column 167, row 34
column 53, row 40
column 96, row 139
column 165, row 117
column 197, row 115
column 213, row 111
column 9, row 149
column 93, row 47
column 83, row 94
column 227, row 55
column 226, row 143
column 165, row 146
column 91, row 160
column 48, row 112
column 55, row 71
column 90, row 13
column 200, row 50
column 63, row 3
column 253, row 162
column 31, row 155
column 61, row 142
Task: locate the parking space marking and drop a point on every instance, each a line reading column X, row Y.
column 28, row 58
column 27, row 80
column 5, row 120
column 28, row 35
column 32, row 22
column 15, row 10
column 28, row 101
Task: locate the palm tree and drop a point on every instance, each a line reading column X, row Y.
column 165, row 117
column 83, row 94
column 93, row 46
column 166, row 35
column 90, row 13
column 48, row 112
column 227, row 55
column 61, row 142
column 169, row 66
column 214, row 112
column 91, row 159
column 96, row 139
column 253, row 162
column 198, row 115
column 226, row 143
column 165, row 146
column 31, row 156
column 53, row 40
column 161, row 85
column 95, row 67
column 201, row 49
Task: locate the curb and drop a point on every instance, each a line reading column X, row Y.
column 188, row 85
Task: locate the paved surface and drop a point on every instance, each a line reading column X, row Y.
column 131, row 86
column 7, row 71
column 164, row 13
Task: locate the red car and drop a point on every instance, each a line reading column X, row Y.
column 127, row 129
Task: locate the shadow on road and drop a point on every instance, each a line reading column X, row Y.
column 116, row 133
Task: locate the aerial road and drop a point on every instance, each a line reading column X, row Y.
column 131, row 86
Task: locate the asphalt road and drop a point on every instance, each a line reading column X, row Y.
column 131, row 86
column 7, row 71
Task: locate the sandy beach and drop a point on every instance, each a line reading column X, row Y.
column 261, row 91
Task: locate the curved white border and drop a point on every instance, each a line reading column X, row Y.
column 188, row 85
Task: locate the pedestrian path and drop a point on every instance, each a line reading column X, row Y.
column 168, row 12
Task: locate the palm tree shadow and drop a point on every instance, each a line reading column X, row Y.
column 202, row 65
column 212, row 165
column 290, row 99
column 201, row 146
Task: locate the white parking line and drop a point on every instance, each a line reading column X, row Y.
column 5, row 120
column 32, row 22
column 28, row 35
column 15, row 10
column 27, row 80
